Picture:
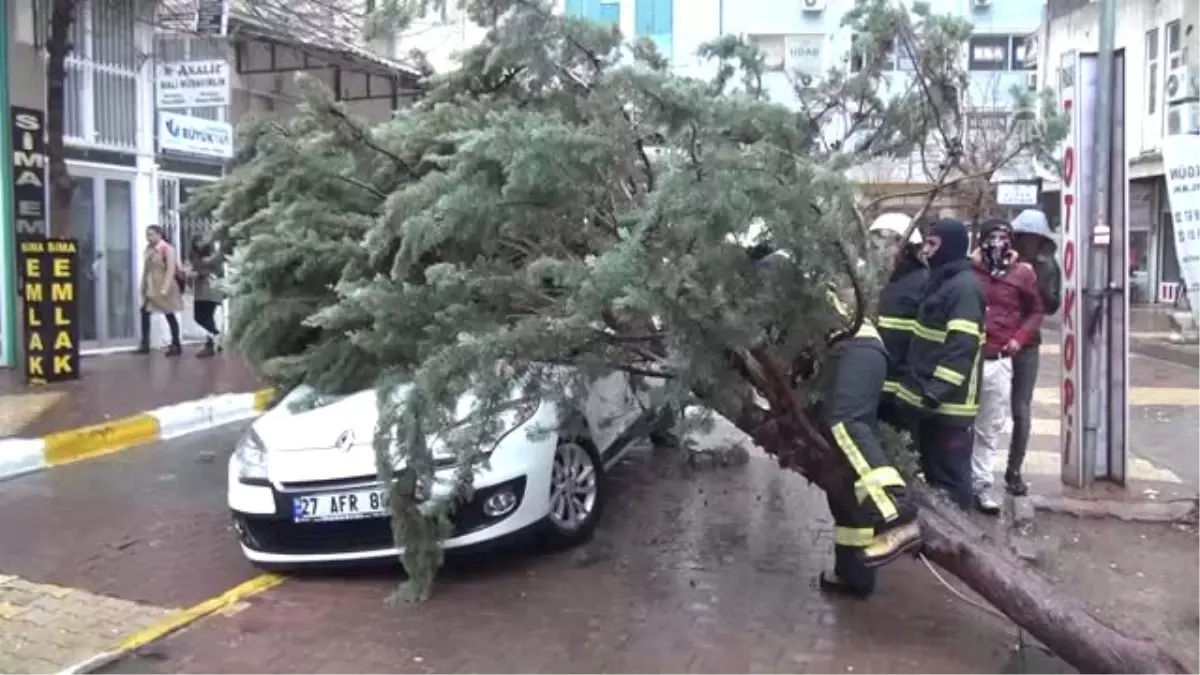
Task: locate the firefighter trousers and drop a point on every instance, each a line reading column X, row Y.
column 945, row 451
column 878, row 486
column 853, row 531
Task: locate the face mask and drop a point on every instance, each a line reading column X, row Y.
column 996, row 249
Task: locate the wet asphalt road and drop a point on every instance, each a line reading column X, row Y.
column 692, row 570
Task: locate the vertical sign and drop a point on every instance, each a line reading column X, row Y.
column 29, row 172
column 49, row 279
column 1181, row 161
column 1077, row 95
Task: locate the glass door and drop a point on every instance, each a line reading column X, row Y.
column 83, row 230
column 102, row 222
column 120, row 241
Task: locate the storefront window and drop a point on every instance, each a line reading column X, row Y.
column 1139, row 267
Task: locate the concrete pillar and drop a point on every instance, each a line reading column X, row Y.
column 145, row 189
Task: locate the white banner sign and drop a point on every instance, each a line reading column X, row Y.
column 1017, row 194
column 195, row 135
column 1181, row 161
column 192, row 84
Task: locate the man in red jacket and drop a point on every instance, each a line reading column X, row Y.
column 1014, row 315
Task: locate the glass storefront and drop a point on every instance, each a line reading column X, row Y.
column 102, row 222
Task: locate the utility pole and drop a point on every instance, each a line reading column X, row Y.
column 1099, row 396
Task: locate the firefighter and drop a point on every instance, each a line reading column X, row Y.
column 880, row 523
column 940, row 378
column 897, row 306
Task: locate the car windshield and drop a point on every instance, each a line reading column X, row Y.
column 304, row 399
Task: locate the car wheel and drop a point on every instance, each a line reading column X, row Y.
column 577, row 492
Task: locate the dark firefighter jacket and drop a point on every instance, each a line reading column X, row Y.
column 850, row 401
column 898, row 304
column 943, row 367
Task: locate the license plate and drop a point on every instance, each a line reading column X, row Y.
column 349, row 505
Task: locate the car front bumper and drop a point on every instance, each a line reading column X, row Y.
column 262, row 518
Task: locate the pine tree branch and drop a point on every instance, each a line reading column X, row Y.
column 364, row 138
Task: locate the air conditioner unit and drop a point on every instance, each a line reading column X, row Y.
column 1031, row 82
column 812, row 5
column 1180, row 87
column 1183, row 118
column 981, row 4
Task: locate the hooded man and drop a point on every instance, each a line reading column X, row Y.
column 1035, row 243
column 1014, row 316
column 898, row 303
column 940, row 380
column 875, row 521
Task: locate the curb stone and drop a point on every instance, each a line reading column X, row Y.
column 20, row 456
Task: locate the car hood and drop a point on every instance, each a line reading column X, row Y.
column 292, row 427
column 331, row 440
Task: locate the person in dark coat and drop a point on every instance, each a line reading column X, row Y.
column 1036, row 244
column 897, row 307
column 940, row 380
column 880, row 523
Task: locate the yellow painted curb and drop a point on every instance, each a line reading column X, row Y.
column 65, row 447
column 262, row 399
column 196, row 612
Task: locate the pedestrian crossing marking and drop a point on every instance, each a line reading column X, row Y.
column 1049, row 462
column 1138, row 396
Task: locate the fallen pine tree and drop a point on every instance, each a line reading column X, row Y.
column 564, row 199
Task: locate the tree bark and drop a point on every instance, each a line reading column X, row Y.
column 58, row 46
column 1060, row 622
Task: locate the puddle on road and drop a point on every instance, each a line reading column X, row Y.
column 1034, row 659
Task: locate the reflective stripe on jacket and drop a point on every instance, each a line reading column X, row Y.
column 944, row 364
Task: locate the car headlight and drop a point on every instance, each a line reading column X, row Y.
column 512, row 416
column 252, row 457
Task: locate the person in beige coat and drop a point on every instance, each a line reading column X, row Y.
column 162, row 291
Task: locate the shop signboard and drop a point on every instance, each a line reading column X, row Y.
column 1181, row 162
column 49, row 289
column 192, row 84
column 194, row 136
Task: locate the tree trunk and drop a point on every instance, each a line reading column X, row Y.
column 1060, row 622
column 58, row 46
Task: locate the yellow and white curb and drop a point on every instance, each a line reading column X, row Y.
column 25, row 455
column 176, row 621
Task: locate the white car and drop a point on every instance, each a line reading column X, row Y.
column 303, row 486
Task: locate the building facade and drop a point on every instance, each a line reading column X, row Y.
column 1159, row 44
column 126, row 175
column 801, row 38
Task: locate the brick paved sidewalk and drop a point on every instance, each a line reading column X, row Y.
column 115, row 386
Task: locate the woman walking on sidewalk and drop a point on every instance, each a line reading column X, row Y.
column 161, row 288
column 207, row 268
